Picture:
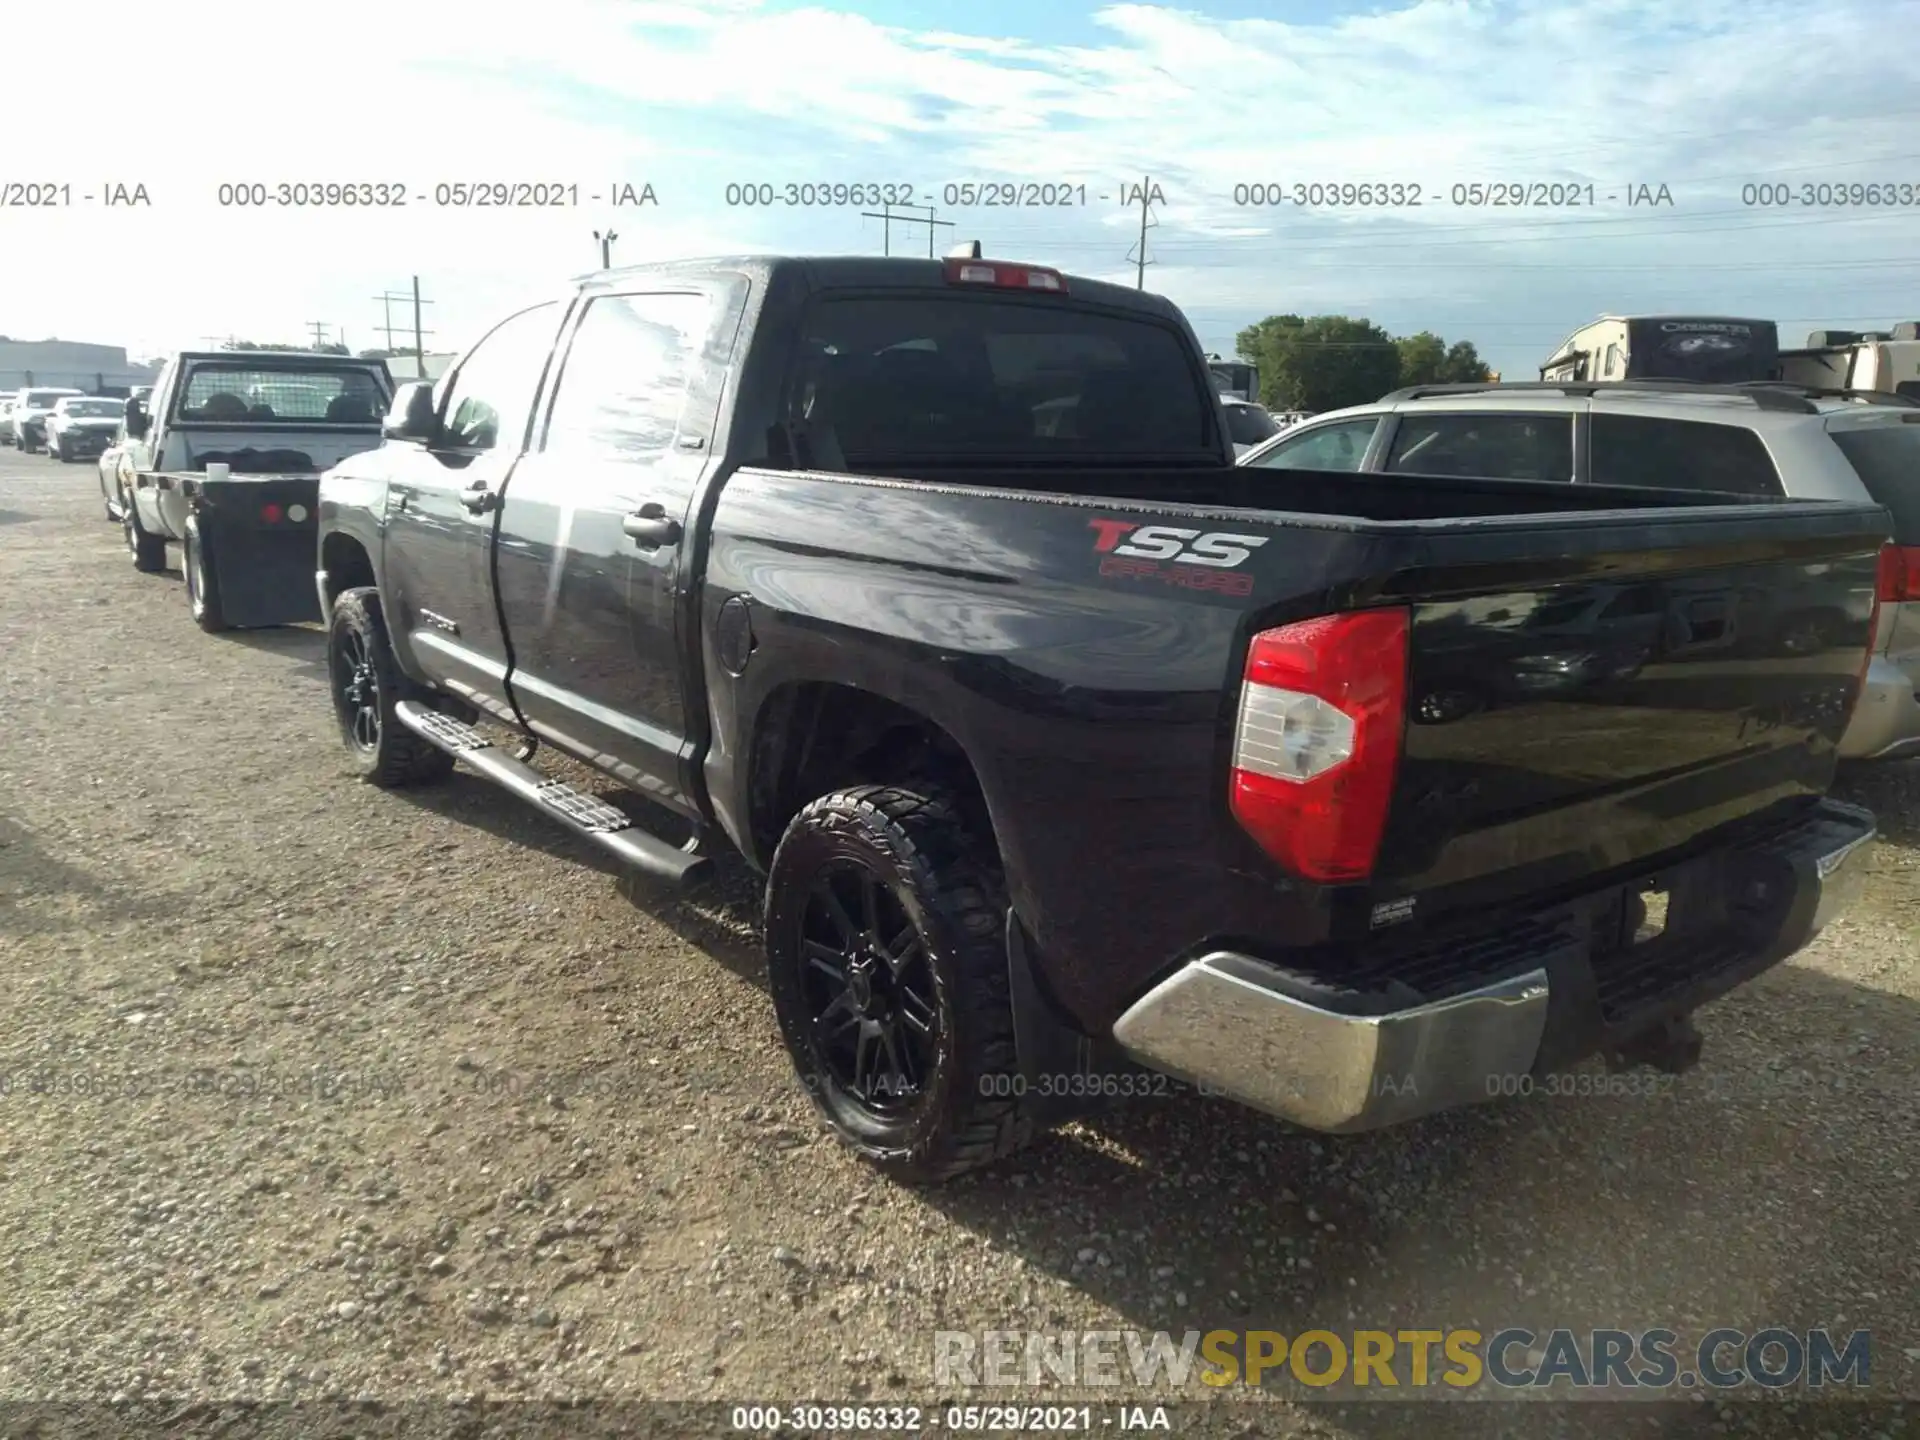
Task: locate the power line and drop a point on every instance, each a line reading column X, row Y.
column 387, row 298
column 887, row 218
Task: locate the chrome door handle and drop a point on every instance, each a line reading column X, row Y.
column 650, row 528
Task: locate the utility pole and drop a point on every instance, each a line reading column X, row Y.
column 886, row 215
column 319, row 333
column 387, row 327
column 931, row 223
column 606, row 239
column 1140, row 261
column 419, row 335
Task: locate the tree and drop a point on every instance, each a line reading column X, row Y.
column 1329, row 361
column 1423, row 359
column 1322, row 362
column 328, row 349
column 1463, row 366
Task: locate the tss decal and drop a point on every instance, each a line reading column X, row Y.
column 1221, row 549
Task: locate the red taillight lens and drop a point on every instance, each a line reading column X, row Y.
column 1317, row 743
column 1899, row 574
column 1004, row 276
column 270, row 514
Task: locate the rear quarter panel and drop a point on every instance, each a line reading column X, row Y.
column 1092, row 706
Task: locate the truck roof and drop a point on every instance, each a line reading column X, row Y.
column 875, row 272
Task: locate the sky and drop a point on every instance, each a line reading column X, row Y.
column 1728, row 104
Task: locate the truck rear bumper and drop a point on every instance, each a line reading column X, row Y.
column 1340, row 1060
column 1886, row 722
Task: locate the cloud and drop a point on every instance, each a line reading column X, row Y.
column 1704, row 98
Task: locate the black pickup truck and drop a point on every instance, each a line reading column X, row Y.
column 1074, row 757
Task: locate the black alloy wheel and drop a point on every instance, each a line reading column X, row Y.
column 365, row 684
column 356, row 689
column 885, row 932
column 870, row 988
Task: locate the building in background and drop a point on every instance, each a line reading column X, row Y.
column 70, row 364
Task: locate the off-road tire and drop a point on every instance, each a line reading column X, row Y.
column 203, row 580
column 149, row 552
column 948, row 882
column 396, row 757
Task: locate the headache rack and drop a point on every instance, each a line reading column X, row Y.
column 1766, row 394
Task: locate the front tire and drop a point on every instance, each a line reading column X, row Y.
column 886, row 957
column 203, row 580
column 367, row 683
column 149, row 552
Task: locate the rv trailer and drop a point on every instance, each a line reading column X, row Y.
column 1886, row 361
column 1712, row 349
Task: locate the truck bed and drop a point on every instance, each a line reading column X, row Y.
column 1590, row 690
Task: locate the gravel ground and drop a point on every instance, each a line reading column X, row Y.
column 348, row 1149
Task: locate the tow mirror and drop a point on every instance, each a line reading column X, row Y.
column 136, row 418
column 412, row 415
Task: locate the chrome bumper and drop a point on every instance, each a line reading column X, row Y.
column 1841, row 875
column 1226, row 1021
column 1886, row 721
column 1220, row 1022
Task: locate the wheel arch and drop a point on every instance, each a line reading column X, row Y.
column 810, row 737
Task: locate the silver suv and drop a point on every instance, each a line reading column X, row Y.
column 1762, row 439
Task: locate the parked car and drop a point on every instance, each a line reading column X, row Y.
column 225, row 459
column 1248, row 424
column 1761, row 440
column 80, row 427
column 6, row 418
column 1065, row 754
column 30, row 410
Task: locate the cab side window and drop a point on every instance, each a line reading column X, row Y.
column 490, row 398
column 1682, row 455
column 1495, row 447
column 625, row 377
column 1339, row 446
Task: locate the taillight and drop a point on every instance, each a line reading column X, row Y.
column 270, row 513
column 1317, row 742
column 1004, row 276
column 1899, row 574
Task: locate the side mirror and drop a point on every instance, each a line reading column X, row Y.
column 412, row 415
column 136, row 417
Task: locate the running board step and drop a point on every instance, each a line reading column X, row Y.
column 586, row 815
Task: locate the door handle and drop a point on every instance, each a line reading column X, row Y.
column 650, row 528
column 479, row 499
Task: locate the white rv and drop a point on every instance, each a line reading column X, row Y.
column 1887, row 361
column 1714, row 349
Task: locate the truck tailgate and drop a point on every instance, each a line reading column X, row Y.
column 1575, row 714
